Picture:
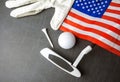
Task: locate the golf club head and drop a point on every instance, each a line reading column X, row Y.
column 60, row 62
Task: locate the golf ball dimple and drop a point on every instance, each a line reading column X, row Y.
column 66, row 40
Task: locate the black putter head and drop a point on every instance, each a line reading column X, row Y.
column 60, row 62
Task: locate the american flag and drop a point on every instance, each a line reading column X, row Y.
column 97, row 21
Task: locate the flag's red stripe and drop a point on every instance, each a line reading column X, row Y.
column 117, row 20
column 111, row 19
column 95, row 23
column 94, row 40
column 113, row 11
column 92, row 30
column 115, row 4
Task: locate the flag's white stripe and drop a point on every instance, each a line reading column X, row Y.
column 112, row 15
column 91, row 34
column 114, row 8
column 102, row 29
column 111, row 23
column 116, row 1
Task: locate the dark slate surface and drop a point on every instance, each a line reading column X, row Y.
column 20, row 61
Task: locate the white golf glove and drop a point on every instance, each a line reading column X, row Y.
column 62, row 8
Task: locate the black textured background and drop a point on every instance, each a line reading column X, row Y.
column 20, row 61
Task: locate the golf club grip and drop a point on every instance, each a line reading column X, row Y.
column 86, row 50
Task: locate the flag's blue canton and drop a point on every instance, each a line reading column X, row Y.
column 95, row 8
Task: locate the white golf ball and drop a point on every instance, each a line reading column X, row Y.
column 66, row 40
